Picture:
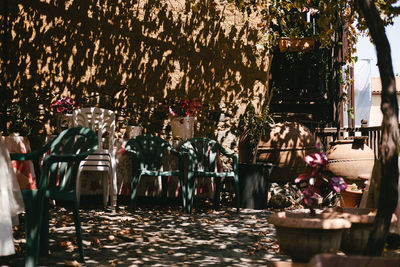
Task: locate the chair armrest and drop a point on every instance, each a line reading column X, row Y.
column 31, row 155
column 225, row 152
column 64, row 158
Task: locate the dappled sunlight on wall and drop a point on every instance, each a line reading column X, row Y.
column 139, row 53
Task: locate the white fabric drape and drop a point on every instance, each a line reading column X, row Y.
column 362, row 90
column 11, row 202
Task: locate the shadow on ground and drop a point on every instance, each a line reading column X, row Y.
column 157, row 235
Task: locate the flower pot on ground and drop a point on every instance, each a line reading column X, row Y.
column 303, row 235
column 285, row 144
column 355, row 239
column 351, row 159
column 351, row 196
column 252, row 126
column 254, row 184
column 133, row 130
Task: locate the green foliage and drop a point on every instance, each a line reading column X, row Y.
column 19, row 122
column 254, row 125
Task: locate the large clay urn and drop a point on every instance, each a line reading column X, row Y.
column 351, row 159
column 286, row 145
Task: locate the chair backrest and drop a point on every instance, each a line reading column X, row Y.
column 100, row 120
column 202, row 152
column 148, row 151
column 65, row 152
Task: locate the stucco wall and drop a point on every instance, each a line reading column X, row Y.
column 139, row 53
column 375, row 116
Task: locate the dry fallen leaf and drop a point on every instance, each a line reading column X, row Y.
column 65, row 243
column 72, row 263
column 170, row 252
column 96, row 241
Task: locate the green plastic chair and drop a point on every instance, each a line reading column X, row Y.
column 202, row 154
column 56, row 179
column 147, row 153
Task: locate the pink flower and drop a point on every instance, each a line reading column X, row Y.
column 64, row 104
column 310, row 198
column 317, row 159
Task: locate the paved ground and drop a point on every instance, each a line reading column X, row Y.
column 159, row 236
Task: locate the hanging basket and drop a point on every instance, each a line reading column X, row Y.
column 304, row 44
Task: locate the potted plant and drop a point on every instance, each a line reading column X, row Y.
column 317, row 232
column 134, row 128
column 182, row 113
column 252, row 126
column 64, row 108
column 253, row 176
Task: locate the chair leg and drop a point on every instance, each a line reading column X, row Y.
column 78, row 231
column 237, row 189
column 164, row 187
column 190, row 192
column 183, row 193
column 217, row 195
column 106, row 187
column 44, row 231
column 78, row 186
column 114, row 186
column 33, row 221
column 134, row 184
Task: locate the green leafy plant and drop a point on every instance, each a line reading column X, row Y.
column 252, row 126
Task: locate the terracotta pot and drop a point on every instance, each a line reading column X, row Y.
column 351, row 198
column 63, row 121
column 351, row 159
column 355, row 239
column 182, row 127
column 132, row 131
column 287, row 44
column 286, row 145
column 301, row 235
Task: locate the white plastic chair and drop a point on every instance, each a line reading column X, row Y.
column 102, row 121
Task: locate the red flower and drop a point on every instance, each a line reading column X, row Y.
column 64, row 104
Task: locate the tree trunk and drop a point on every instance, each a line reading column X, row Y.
column 388, row 194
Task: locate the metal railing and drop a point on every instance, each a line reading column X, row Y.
column 326, row 135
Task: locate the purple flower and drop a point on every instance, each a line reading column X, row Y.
column 337, row 184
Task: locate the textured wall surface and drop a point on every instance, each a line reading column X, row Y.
column 138, row 53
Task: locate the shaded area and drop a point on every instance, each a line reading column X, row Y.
column 160, row 235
